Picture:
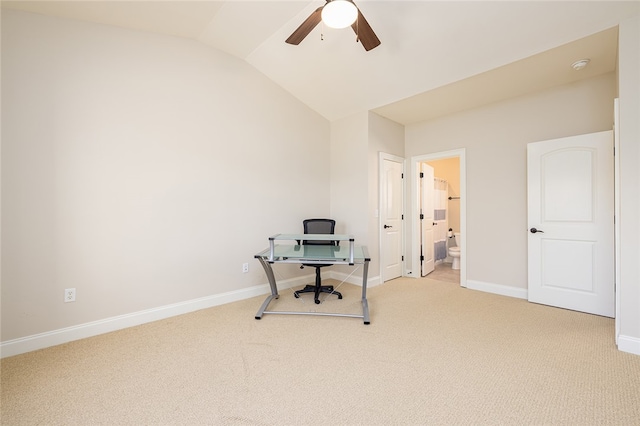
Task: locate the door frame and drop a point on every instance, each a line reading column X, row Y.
column 616, row 213
column 414, row 237
column 384, row 156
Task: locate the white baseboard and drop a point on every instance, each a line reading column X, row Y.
column 502, row 290
column 94, row 328
column 352, row 279
column 57, row 337
column 629, row 344
column 107, row 325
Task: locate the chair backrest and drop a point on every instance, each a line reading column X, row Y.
column 319, row 226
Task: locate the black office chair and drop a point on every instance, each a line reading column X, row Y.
column 318, row 226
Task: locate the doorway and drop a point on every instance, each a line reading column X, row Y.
column 449, row 170
column 440, row 217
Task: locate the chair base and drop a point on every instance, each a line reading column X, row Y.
column 317, row 290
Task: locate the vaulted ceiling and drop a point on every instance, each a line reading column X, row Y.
column 436, row 57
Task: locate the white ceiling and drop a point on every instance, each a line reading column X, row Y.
column 436, row 57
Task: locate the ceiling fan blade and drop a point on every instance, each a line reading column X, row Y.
column 305, row 28
column 365, row 33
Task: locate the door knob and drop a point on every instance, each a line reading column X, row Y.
column 534, row 230
column 387, row 226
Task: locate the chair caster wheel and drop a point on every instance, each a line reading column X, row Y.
column 317, row 302
column 296, row 295
column 340, row 297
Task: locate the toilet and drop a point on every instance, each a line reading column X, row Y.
column 454, row 252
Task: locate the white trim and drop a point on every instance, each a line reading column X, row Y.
column 629, row 344
column 415, row 197
column 616, row 211
column 503, row 290
column 353, row 279
column 381, row 157
column 107, row 325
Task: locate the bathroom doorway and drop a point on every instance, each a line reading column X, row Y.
column 445, row 213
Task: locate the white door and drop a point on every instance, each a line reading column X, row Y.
column 570, row 223
column 391, row 219
column 427, row 256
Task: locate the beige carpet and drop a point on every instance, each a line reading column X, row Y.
column 434, row 354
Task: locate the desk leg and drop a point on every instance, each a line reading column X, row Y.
column 272, row 283
column 365, row 304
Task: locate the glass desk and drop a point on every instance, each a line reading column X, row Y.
column 346, row 254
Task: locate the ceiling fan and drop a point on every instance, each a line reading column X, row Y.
column 364, row 32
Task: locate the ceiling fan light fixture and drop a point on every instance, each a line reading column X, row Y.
column 339, row 13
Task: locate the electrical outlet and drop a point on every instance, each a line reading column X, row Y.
column 69, row 295
column 245, row 268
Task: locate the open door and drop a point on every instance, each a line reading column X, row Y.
column 427, row 255
column 571, row 223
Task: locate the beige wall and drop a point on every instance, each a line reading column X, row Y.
column 348, row 178
column 348, row 175
column 629, row 156
column 449, row 170
column 495, row 138
column 387, row 137
column 356, row 142
column 142, row 170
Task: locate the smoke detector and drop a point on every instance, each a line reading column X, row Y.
column 578, row 65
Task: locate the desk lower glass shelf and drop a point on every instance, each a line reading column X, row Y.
column 314, row 254
column 349, row 254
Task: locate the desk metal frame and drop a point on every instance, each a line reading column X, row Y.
column 295, row 254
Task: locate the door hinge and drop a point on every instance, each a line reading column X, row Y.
column 421, row 258
column 401, row 175
column 401, row 217
column 421, row 175
column 402, row 258
column 421, row 216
